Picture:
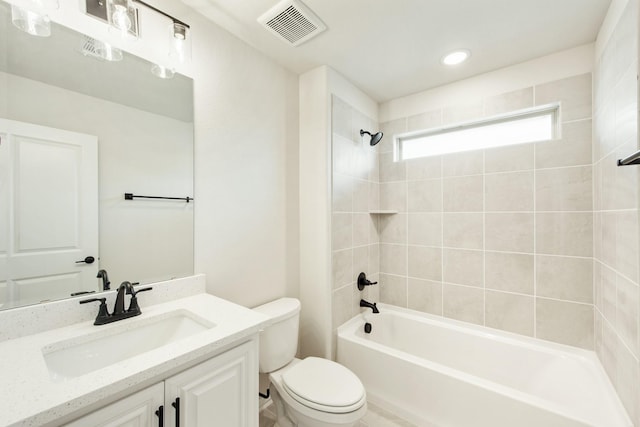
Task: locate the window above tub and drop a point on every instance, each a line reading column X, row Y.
column 518, row 127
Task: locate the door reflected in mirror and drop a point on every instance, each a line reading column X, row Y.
column 77, row 132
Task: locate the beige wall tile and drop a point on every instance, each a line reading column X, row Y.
column 393, row 290
column 427, row 120
column 573, row 149
column 564, row 189
column 627, row 315
column 393, row 196
column 565, row 322
column 391, row 170
column 627, row 233
column 608, row 247
column 509, row 272
column 360, row 263
column 425, row 263
column 425, row 196
column 360, row 195
column 361, row 229
column 509, row 312
column 609, row 354
column 625, row 179
column 393, row 228
column 463, row 303
column 510, row 158
column 393, row 259
column 509, row 232
column 390, row 129
column 342, row 265
column 343, row 155
column 463, row 194
column 574, row 94
column 374, row 259
column 626, row 107
column 463, row 267
column 565, row 233
column 374, row 165
column 609, row 294
column 462, row 113
column 425, row 229
column 425, row 296
column 342, row 193
column 565, row 278
column 374, row 196
column 341, row 117
column 511, row 192
column 462, row 164
column 424, row 168
column 508, row 102
column 463, row 230
column 341, row 231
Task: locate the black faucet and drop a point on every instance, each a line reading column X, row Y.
column 102, row 274
column 367, row 304
column 119, row 312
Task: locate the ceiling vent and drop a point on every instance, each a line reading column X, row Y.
column 293, row 22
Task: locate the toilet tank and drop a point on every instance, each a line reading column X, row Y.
column 279, row 338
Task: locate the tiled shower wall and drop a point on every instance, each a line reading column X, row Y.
column 617, row 300
column 499, row 237
column 355, row 191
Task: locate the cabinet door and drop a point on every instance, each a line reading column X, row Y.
column 137, row 410
column 220, row 392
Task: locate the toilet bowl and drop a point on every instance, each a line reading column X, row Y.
column 313, row 392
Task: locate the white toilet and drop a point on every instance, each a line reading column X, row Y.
column 313, row 392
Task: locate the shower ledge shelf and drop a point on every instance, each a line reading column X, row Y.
column 383, row 212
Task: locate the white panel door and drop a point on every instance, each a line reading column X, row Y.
column 220, row 392
column 49, row 191
column 141, row 409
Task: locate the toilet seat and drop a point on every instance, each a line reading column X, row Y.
column 324, row 385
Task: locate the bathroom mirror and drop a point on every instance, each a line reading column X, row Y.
column 77, row 132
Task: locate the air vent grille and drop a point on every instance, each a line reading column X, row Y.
column 293, row 22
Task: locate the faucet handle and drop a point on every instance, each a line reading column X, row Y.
column 103, row 312
column 362, row 281
column 133, row 305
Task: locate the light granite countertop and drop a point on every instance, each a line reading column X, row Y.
column 30, row 397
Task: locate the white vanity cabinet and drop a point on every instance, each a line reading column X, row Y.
column 218, row 392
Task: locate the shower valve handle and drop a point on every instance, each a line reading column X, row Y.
column 362, row 281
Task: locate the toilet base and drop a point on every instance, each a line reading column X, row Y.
column 287, row 416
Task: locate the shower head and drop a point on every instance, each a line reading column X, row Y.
column 375, row 138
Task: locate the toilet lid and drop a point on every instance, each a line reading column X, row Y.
column 323, row 384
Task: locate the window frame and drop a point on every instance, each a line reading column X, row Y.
column 512, row 116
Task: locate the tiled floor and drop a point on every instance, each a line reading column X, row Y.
column 375, row 417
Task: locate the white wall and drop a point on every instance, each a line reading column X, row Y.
column 158, row 161
column 316, row 89
column 246, row 166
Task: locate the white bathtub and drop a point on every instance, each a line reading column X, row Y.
column 439, row 372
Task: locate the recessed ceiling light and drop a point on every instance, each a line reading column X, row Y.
column 456, row 57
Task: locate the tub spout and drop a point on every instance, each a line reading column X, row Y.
column 367, row 304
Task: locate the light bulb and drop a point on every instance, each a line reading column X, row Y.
column 120, row 18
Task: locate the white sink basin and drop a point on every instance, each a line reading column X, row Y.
column 88, row 353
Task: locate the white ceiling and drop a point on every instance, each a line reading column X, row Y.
column 392, row 48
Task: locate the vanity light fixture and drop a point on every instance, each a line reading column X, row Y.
column 122, row 16
column 456, row 57
column 34, row 17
